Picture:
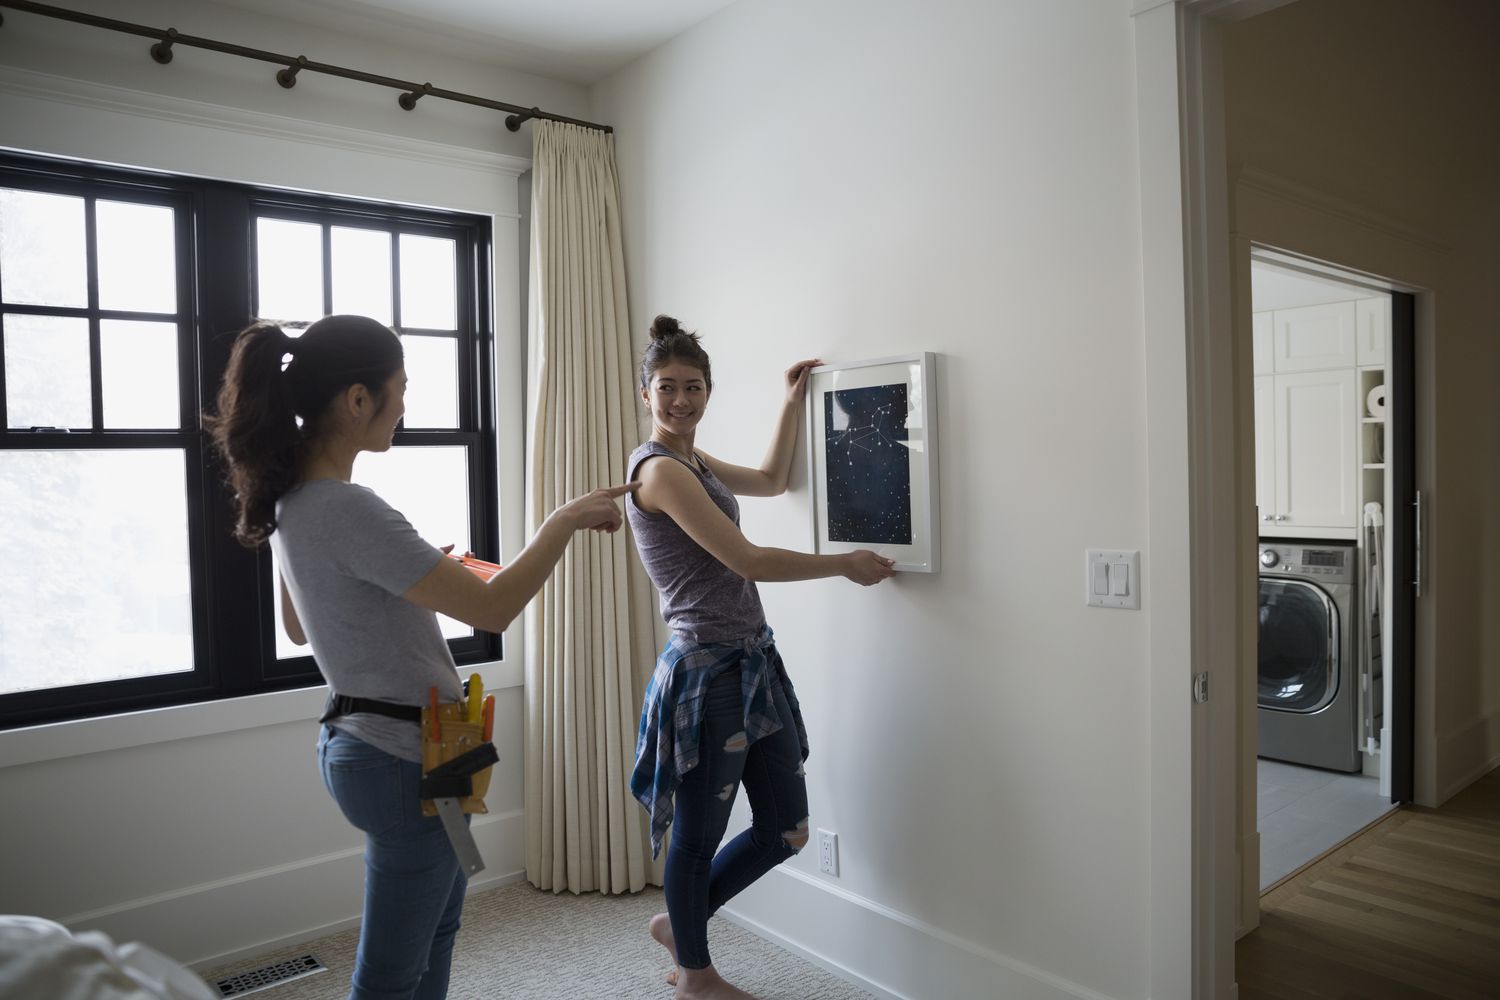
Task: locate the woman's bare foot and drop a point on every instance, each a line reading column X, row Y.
column 707, row 984
column 661, row 933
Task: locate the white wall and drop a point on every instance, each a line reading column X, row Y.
column 1360, row 133
column 205, row 830
column 855, row 179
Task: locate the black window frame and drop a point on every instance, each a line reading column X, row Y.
column 234, row 624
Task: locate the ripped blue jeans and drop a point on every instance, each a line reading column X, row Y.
column 697, row 881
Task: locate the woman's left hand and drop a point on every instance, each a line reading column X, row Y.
column 796, row 379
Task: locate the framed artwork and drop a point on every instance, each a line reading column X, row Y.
column 872, row 459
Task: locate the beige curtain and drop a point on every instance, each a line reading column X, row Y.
column 589, row 643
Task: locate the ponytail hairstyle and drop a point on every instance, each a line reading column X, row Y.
column 256, row 429
column 669, row 342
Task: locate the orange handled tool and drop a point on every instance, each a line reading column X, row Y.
column 489, row 716
column 486, row 571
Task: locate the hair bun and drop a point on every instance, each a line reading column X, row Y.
column 664, row 326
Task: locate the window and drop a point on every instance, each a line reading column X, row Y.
column 120, row 295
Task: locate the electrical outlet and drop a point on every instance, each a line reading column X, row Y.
column 828, row 852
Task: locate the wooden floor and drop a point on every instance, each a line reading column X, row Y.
column 1409, row 909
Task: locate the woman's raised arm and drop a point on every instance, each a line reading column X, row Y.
column 450, row 589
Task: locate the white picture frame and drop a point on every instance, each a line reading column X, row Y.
column 872, row 463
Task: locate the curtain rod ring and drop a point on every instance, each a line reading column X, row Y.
column 162, row 50
column 409, row 100
column 515, row 121
column 287, row 77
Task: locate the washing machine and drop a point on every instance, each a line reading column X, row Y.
column 1308, row 685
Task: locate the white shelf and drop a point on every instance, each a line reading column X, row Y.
column 1372, row 420
column 1373, row 465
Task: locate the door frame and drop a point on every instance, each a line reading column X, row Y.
column 1201, row 515
column 1352, row 244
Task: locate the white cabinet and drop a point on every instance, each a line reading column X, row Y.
column 1265, row 448
column 1317, row 452
column 1306, row 453
column 1372, row 323
column 1261, row 344
column 1312, row 338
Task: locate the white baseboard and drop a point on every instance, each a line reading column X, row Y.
column 1476, row 742
column 1465, row 780
column 480, row 884
column 214, row 923
column 887, row 953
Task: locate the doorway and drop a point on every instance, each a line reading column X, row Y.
column 1329, row 466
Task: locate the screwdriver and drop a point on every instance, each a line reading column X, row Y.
column 475, row 706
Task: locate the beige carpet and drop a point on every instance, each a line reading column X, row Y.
column 519, row 943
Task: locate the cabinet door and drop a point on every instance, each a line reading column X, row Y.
column 1316, row 462
column 1260, row 329
column 1265, row 448
column 1313, row 338
column 1372, row 318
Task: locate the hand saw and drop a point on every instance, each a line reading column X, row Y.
column 445, row 785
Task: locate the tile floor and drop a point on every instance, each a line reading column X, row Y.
column 1304, row 811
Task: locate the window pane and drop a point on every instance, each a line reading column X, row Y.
column 105, row 592
column 427, row 485
column 285, row 647
column 430, row 486
column 42, row 249
column 139, row 362
column 362, row 273
column 428, row 283
column 431, row 381
column 137, row 257
column 47, row 378
column 289, row 271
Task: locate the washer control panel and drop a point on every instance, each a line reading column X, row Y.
column 1330, row 562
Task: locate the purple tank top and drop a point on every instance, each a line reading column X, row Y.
column 701, row 598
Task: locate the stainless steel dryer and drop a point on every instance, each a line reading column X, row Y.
column 1308, row 701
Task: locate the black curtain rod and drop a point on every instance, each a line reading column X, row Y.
column 292, row 65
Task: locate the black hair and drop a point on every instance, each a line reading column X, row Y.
column 256, row 429
column 670, row 341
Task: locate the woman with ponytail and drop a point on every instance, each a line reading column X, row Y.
column 720, row 710
column 363, row 588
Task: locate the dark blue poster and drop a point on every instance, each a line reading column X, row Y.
column 868, row 466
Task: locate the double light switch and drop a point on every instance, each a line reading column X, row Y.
column 1113, row 578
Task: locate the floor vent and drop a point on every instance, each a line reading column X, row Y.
column 266, row 976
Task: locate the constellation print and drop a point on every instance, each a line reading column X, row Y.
column 868, row 466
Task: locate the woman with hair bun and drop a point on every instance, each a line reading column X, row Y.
column 363, row 589
column 720, row 710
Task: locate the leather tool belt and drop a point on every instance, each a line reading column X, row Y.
column 457, row 760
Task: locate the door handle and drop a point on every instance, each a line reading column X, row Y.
column 1417, row 570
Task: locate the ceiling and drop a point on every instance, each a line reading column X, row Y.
column 580, row 41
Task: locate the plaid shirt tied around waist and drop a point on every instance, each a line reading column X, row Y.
column 672, row 714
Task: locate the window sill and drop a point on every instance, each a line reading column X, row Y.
column 57, row 740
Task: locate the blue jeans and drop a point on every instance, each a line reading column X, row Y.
column 697, row 882
column 414, row 887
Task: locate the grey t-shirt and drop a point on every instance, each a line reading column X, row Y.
column 348, row 556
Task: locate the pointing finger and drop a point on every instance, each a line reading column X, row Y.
column 619, row 491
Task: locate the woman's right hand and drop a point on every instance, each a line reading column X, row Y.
column 866, row 568
column 596, row 511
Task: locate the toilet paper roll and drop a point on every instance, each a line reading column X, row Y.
column 1375, row 401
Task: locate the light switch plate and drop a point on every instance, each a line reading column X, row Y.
column 1108, row 564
